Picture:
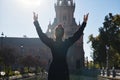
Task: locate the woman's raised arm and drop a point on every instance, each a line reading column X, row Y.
column 43, row 36
column 79, row 33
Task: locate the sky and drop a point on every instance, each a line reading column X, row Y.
column 16, row 16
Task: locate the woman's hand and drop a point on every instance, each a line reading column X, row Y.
column 86, row 17
column 35, row 16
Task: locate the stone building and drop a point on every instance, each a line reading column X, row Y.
column 64, row 10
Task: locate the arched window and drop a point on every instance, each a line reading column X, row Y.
column 49, row 30
column 60, row 3
column 64, row 18
column 69, row 3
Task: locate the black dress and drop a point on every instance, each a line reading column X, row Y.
column 59, row 69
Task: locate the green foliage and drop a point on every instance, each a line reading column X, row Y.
column 38, row 70
column 97, row 66
column 109, row 35
column 90, row 65
column 7, row 59
column 11, row 73
column 8, row 71
column 26, row 69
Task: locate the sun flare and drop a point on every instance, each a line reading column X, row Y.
column 31, row 2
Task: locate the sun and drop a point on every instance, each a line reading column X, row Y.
column 29, row 3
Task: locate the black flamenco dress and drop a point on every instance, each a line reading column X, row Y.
column 58, row 68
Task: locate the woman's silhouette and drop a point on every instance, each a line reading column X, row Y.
column 59, row 69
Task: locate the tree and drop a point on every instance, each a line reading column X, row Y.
column 30, row 61
column 7, row 57
column 109, row 35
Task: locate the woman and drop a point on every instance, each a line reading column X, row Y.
column 59, row 69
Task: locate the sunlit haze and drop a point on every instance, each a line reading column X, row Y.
column 30, row 3
column 16, row 16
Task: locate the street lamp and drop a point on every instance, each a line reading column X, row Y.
column 107, row 56
column 107, row 62
column 2, row 34
column 87, row 62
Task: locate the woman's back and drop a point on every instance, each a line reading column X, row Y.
column 59, row 69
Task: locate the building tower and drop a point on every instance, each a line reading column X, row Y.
column 64, row 10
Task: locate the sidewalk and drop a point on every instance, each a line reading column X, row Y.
column 108, row 77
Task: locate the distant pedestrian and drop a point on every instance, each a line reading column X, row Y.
column 108, row 72
column 113, row 72
column 103, row 71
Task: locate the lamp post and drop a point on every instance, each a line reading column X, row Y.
column 22, row 51
column 107, row 56
column 107, row 61
column 2, row 34
column 87, row 62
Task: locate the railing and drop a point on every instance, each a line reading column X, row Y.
column 110, row 74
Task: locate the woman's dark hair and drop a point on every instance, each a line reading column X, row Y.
column 59, row 31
